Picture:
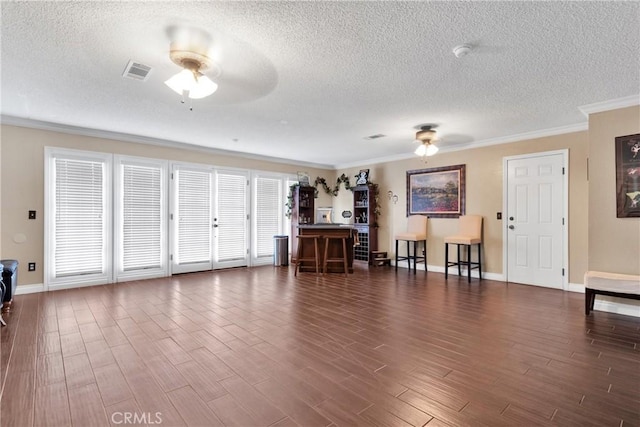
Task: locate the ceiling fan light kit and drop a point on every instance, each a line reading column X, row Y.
column 425, row 137
column 191, row 79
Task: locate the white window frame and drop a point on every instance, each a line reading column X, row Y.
column 50, row 281
column 119, row 274
column 285, row 223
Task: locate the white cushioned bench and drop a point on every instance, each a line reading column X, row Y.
column 611, row 284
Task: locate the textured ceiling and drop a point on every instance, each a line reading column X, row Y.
column 308, row 81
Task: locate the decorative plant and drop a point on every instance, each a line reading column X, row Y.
column 342, row 179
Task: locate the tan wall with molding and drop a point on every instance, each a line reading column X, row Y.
column 484, row 194
column 597, row 239
column 614, row 243
column 22, row 183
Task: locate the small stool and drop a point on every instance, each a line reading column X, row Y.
column 416, row 233
column 299, row 259
column 469, row 233
column 342, row 259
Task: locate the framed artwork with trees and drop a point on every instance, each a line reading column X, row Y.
column 436, row 192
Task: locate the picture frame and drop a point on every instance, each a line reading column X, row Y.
column 363, row 177
column 628, row 176
column 436, row 192
column 303, row 179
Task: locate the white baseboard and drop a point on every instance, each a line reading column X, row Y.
column 576, row 287
column 29, row 289
column 617, row 307
column 454, row 271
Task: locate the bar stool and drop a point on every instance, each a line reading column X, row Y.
column 342, row 259
column 416, row 233
column 299, row 259
column 469, row 233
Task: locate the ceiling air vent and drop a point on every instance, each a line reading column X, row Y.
column 136, row 71
column 376, row 136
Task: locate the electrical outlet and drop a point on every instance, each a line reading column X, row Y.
column 499, row 215
column 32, row 214
column 32, row 266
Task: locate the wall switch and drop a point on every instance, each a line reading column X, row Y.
column 32, row 266
column 499, row 215
column 32, row 214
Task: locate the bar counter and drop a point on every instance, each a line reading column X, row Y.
column 335, row 246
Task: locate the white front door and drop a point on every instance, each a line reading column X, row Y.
column 535, row 219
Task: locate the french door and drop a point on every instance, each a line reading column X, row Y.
column 209, row 218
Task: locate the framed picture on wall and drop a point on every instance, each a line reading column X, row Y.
column 436, row 192
column 628, row 176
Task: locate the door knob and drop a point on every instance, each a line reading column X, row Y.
column 510, row 218
column 511, row 227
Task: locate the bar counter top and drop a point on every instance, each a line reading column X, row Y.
column 325, row 226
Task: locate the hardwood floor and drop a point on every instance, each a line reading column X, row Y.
column 258, row 347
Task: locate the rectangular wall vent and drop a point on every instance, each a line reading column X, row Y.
column 136, row 71
column 376, row 136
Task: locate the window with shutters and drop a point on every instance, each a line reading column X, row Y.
column 78, row 218
column 141, row 218
column 268, row 215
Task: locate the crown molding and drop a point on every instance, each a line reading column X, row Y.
column 612, row 104
column 126, row 137
column 560, row 130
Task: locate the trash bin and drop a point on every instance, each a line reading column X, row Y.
column 280, row 250
column 10, row 279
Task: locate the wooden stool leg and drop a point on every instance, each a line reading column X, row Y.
column 469, row 263
column 479, row 262
column 315, row 254
column 344, row 256
column 409, row 255
column 459, row 271
column 425, row 255
column 415, row 256
column 299, row 255
column 446, row 260
column 396, row 255
column 326, row 255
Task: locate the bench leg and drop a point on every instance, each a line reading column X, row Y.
column 589, row 299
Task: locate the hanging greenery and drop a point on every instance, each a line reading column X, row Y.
column 342, row 179
column 334, row 191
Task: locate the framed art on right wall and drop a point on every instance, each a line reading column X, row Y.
column 628, row 176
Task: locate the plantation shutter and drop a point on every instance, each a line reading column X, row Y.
column 269, row 215
column 194, row 217
column 80, row 246
column 231, row 218
column 142, row 222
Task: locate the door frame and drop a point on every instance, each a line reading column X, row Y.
column 565, row 207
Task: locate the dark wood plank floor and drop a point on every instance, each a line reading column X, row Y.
column 258, row 347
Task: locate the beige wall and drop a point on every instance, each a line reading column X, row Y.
column 484, row 197
column 597, row 239
column 22, row 183
column 614, row 243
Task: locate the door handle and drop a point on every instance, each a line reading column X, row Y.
column 511, row 227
